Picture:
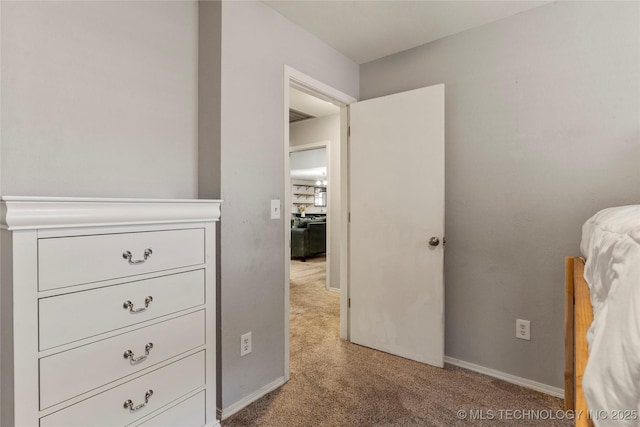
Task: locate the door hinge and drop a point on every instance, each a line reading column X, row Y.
column 348, row 302
column 348, row 130
column 349, row 219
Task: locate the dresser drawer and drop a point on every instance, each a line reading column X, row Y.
column 71, row 317
column 189, row 413
column 99, row 363
column 68, row 261
column 108, row 409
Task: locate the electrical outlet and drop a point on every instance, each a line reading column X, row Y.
column 245, row 344
column 523, row 329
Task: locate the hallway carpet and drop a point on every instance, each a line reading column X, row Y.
column 336, row 383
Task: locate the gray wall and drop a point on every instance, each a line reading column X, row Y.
column 209, row 81
column 3, row 361
column 256, row 44
column 209, row 87
column 99, row 98
column 103, row 99
column 542, row 130
column 317, row 130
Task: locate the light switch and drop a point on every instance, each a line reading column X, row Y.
column 275, row 209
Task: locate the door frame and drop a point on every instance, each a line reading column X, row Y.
column 315, row 146
column 323, row 91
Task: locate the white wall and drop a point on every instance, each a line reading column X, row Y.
column 257, row 42
column 542, row 131
column 99, row 98
column 320, row 129
column 326, row 129
column 308, row 159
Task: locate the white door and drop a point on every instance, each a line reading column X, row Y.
column 396, row 232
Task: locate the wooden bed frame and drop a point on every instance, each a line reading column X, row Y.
column 578, row 317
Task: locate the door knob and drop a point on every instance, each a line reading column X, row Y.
column 434, row 241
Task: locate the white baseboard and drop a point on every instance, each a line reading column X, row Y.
column 534, row 385
column 246, row 401
column 335, row 290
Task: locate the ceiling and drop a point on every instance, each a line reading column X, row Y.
column 365, row 30
column 310, row 105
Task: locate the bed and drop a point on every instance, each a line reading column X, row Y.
column 602, row 321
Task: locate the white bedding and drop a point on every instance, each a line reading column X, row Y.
column 611, row 382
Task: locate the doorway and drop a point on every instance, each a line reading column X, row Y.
column 336, row 194
column 310, row 192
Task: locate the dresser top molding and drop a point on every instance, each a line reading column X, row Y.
column 28, row 213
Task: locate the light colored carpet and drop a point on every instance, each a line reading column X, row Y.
column 336, row 383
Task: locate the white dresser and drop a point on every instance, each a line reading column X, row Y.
column 107, row 312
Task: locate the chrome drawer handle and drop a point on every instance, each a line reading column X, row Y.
column 128, row 304
column 128, row 404
column 129, row 354
column 128, row 255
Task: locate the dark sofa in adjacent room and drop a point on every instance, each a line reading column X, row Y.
column 308, row 237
